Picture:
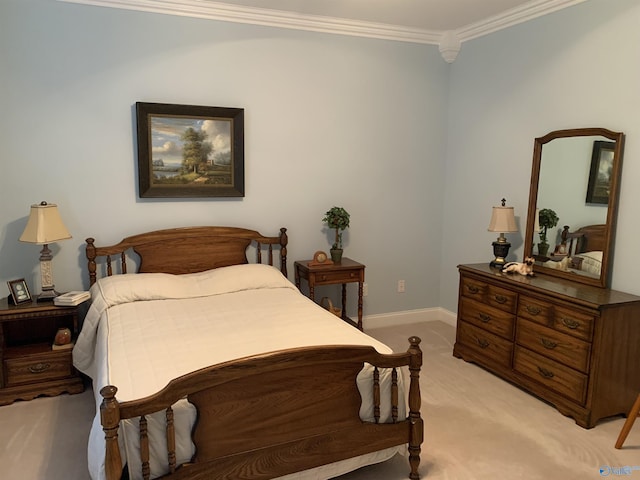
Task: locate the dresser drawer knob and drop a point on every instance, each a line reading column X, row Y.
column 39, row 368
column 501, row 299
column 548, row 343
column 545, row 373
column 484, row 317
column 533, row 310
column 570, row 323
column 472, row 289
column 482, row 342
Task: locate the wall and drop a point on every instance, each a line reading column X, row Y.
column 575, row 68
column 329, row 120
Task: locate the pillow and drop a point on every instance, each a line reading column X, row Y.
column 591, row 262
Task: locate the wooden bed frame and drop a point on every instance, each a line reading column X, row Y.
column 310, row 393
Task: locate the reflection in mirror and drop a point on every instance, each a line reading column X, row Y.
column 573, row 203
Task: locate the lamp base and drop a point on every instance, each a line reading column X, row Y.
column 47, row 295
column 500, row 250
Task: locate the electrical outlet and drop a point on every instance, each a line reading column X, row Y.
column 400, row 286
column 365, row 290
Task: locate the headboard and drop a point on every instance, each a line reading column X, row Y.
column 186, row 250
column 590, row 238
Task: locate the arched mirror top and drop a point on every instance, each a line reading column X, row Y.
column 573, row 203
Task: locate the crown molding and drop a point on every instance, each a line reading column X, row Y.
column 449, row 42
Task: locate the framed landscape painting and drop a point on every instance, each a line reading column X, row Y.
column 600, row 172
column 190, row 151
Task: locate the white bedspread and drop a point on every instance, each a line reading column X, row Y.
column 143, row 330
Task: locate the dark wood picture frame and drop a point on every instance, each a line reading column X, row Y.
column 187, row 151
column 600, row 173
column 19, row 291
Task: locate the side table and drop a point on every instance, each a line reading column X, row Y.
column 30, row 367
column 347, row 271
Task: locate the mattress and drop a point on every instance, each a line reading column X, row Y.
column 143, row 330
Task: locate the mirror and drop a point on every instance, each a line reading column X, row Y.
column 575, row 181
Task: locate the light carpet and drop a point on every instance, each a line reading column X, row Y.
column 477, row 427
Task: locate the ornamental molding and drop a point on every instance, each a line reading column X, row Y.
column 449, row 42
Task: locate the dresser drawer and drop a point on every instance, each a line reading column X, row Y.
column 555, row 345
column 491, row 319
column 38, row 368
column 535, row 310
column 574, row 323
column 562, row 379
column 475, row 289
column 493, row 347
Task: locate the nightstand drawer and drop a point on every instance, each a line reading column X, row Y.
column 38, row 368
column 339, row 276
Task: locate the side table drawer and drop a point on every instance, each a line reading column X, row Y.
column 493, row 347
column 341, row 276
column 38, row 368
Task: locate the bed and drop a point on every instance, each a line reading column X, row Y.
column 207, row 366
column 580, row 251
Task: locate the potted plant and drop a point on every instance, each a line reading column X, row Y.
column 337, row 218
column 548, row 219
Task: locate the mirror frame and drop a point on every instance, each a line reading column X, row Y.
column 607, row 255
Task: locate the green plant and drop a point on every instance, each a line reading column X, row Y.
column 338, row 218
column 548, row 219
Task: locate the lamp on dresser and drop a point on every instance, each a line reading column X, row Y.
column 45, row 226
column 502, row 221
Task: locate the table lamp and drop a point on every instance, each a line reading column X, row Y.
column 502, row 221
column 44, row 227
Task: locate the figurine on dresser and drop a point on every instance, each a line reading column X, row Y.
column 523, row 268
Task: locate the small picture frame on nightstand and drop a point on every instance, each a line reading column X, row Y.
column 19, row 291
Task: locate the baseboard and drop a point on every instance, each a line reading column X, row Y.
column 409, row 317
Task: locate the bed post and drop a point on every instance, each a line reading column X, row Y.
column 416, row 431
column 283, row 250
column 110, row 420
column 91, row 256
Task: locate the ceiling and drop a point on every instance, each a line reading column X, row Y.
column 446, row 23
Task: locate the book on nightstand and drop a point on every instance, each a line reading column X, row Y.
column 66, row 346
column 70, row 299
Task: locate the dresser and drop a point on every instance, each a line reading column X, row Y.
column 574, row 346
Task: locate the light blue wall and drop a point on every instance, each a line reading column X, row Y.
column 575, row 68
column 417, row 150
column 329, row 120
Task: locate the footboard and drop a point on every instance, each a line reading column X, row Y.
column 274, row 414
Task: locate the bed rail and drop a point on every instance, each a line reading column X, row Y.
column 303, row 413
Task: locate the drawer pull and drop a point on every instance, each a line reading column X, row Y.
column 548, row 343
column 501, row 299
column 570, row 323
column 482, row 342
column 472, row 289
column 533, row 310
column 484, row 317
column 545, row 373
column 39, row 368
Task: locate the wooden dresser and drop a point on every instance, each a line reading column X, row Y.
column 575, row 346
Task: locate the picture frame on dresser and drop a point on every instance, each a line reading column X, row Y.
column 187, row 151
column 19, row 291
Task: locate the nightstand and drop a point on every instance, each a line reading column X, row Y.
column 348, row 271
column 30, row 367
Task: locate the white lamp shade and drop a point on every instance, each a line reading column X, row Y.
column 44, row 225
column 503, row 220
column 536, row 224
